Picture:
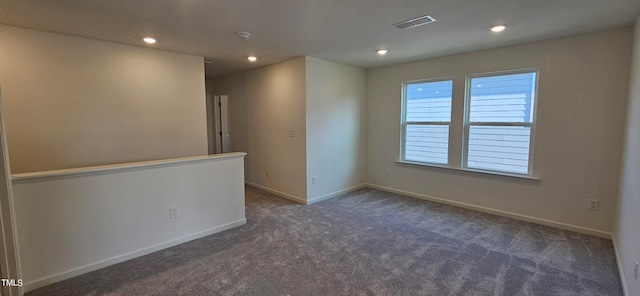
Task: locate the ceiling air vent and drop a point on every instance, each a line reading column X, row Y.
column 419, row 21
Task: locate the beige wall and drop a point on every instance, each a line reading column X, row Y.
column 264, row 104
column 628, row 220
column 335, row 127
column 73, row 102
column 322, row 101
column 582, row 99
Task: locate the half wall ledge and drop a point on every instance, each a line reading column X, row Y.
column 91, row 170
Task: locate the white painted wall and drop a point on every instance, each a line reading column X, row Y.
column 627, row 237
column 582, row 101
column 74, row 102
column 335, row 127
column 73, row 221
column 264, row 104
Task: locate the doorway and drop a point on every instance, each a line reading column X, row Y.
column 221, row 140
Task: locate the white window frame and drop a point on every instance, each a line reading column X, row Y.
column 404, row 122
column 468, row 123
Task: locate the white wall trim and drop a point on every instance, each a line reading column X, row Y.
column 623, row 281
column 565, row 226
column 302, row 200
column 41, row 282
column 278, row 193
column 113, row 168
column 334, row 194
column 560, row 225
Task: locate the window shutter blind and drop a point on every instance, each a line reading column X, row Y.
column 427, row 119
column 500, row 117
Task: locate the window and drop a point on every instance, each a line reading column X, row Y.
column 499, row 120
column 492, row 131
column 426, row 121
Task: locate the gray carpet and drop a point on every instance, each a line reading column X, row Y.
column 367, row 242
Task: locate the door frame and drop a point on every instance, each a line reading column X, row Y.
column 9, row 252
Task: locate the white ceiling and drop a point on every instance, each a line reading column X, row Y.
column 345, row 31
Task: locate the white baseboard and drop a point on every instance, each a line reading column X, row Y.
column 41, row 282
column 278, row 193
column 334, row 194
column 565, row 226
column 302, row 200
column 579, row 229
column 623, row 281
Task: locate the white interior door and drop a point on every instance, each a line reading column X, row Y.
column 224, row 124
column 221, row 119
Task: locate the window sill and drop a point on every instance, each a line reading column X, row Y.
column 472, row 171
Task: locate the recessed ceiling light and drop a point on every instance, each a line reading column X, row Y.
column 498, row 28
column 252, row 58
column 149, row 40
column 382, row 51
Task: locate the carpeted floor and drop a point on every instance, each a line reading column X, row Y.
column 367, row 242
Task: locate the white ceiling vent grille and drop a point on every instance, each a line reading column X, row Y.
column 419, row 21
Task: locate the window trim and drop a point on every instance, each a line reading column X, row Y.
column 467, row 123
column 496, row 174
column 404, row 123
